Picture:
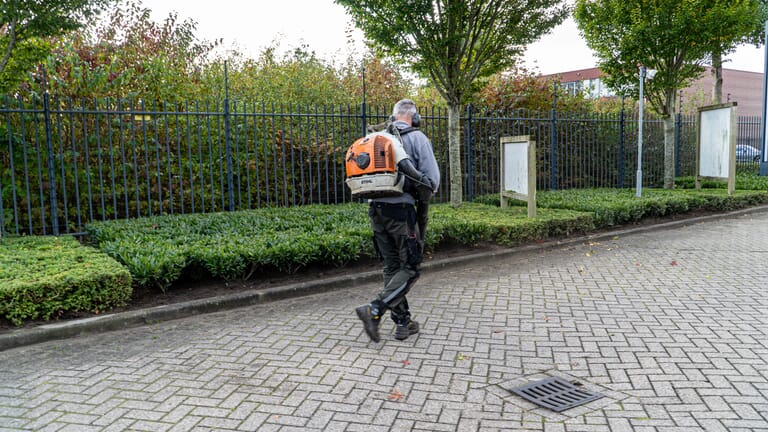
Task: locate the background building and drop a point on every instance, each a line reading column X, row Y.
column 745, row 88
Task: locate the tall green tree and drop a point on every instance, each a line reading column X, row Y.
column 453, row 43
column 745, row 24
column 671, row 36
column 24, row 24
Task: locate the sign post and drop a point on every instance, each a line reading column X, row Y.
column 518, row 171
column 716, row 131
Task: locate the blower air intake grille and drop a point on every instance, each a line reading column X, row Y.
column 379, row 152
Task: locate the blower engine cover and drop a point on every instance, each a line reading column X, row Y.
column 371, row 166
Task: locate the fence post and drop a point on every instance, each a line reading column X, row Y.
column 468, row 139
column 362, row 107
column 553, row 144
column 622, row 156
column 51, row 162
column 228, row 139
column 678, row 143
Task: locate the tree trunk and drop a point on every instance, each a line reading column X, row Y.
column 669, row 151
column 717, row 77
column 454, row 153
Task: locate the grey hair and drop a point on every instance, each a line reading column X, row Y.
column 404, row 107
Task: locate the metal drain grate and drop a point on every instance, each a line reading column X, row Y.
column 555, row 394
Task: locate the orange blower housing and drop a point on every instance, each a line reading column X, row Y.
column 371, row 166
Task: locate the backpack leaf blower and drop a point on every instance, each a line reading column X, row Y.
column 377, row 166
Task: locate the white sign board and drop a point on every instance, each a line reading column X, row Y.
column 516, row 166
column 716, row 143
column 518, row 171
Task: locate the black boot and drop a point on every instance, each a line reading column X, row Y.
column 401, row 315
column 402, row 331
column 370, row 315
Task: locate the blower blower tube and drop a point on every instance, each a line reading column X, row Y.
column 424, row 187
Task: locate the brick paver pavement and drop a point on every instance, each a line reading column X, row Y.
column 670, row 325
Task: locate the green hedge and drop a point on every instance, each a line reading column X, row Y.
column 744, row 180
column 160, row 250
column 235, row 245
column 239, row 245
column 474, row 223
column 620, row 206
column 46, row 277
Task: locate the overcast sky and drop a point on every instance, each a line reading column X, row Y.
column 323, row 25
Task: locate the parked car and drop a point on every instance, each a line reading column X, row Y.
column 747, row 153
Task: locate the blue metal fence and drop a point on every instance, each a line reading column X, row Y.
column 65, row 163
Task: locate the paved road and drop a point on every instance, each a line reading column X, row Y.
column 669, row 325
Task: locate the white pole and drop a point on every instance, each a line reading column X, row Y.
column 639, row 180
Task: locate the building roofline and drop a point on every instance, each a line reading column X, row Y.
column 595, row 72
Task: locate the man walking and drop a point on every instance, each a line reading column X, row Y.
column 398, row 230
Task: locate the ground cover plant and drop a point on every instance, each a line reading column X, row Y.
column 46, row 277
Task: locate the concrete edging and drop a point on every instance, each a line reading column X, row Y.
column 110, row 322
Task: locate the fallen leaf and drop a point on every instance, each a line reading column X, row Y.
column 396, row 395
column 587, row 254
column 406, row 362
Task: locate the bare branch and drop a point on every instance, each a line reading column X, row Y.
column 11, row 43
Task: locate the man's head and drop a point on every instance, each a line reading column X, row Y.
column 405, row 110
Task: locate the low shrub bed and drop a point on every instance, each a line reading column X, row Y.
column 235, row 245
column 475, row 223
column 240, row 245
column 47, row 277
column 158, row 251
column 744, row 181
column 620, row 206
column 612, row 207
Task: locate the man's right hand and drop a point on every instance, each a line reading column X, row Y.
column 424, row 188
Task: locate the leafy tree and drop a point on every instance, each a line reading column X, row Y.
column 453, row 43
column 128, row 55
column 667, row 35
column 745, row 24
column 520, row 88
column 299, row 77
column 384, row 82
column 24, row 24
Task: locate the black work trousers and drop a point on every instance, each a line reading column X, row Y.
column 397, row 242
